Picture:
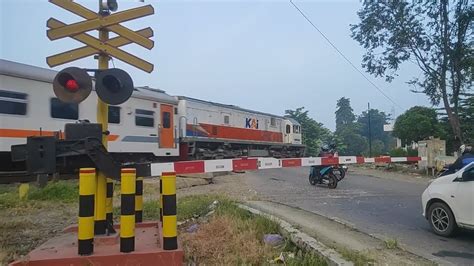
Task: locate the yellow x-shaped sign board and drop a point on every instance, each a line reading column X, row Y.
column 94, row 21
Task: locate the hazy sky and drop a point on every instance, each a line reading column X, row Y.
column 260, row 55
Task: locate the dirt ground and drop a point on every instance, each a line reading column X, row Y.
column 28, row 225
column 381, row 172
column 24, row 228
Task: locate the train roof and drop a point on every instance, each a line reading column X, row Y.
column 293, row 121
column 230, row 106
column 19, row 70
column 154, row 94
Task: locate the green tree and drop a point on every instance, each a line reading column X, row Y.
column 352, row 142
column 436, row 35
column 349, row 140
column 416, row 124
column 377, row 120
column 314, row 134
column 344, row 113
column 466, row 115
column 378, row 148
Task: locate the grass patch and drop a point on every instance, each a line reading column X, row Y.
column 306, row 259
column 194, row 206
column 391, row 243
column 187, row 207
column 61, row 191
column 9, row 199
column 64, row 191
column 358, row 258
column 234, row 236
column 151, row 210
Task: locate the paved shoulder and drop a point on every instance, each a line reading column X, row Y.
column 354, row 245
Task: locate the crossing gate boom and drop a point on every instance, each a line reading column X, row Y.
column 249, row 164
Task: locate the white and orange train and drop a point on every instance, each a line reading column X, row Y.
column 150, row 126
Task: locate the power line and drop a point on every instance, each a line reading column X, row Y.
column 343, row 56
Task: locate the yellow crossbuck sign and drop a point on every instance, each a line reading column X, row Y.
column 77, row 31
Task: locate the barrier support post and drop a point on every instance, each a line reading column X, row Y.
column 127, row 212
column 100, row 202
column 109, row 203
column 139, row 200
column 170, row 228
column 85, row 228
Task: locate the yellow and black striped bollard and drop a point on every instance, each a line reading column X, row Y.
column 109, row 204
column 139, row 200
column 127, row 217
column 85, row 228
column 170, row 228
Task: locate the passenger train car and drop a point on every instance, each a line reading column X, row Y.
column 151, row 126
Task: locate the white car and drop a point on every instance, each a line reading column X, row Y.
column 448, row 202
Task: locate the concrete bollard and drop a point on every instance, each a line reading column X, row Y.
column 170, row 227
column 127, row 213
column 23, row 191
column 85, row 228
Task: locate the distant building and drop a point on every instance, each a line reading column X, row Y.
column 389, row 128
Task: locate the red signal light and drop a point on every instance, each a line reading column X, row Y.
column 71, row 85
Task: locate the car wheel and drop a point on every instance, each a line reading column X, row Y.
column 441, row 219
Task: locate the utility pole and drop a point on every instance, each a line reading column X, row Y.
column 370, row 130
column 102, row 118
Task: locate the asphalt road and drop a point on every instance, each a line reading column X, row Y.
column 382, row 207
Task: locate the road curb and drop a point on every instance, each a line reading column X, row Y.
column 401, row 246
column 303, row 240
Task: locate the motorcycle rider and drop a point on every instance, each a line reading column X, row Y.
column 467, row 157
column 316, row 169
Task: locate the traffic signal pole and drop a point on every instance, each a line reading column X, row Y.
column 102, row 118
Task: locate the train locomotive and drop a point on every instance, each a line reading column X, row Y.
column 151, row 126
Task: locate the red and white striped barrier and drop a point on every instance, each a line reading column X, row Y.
column 246, row 164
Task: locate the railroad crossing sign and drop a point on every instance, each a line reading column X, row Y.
column 95, row 21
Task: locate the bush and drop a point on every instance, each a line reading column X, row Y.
column 399, row 152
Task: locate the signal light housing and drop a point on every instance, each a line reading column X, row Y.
column 72, row 85
column 113, row 86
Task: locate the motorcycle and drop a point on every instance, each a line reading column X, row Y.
column 326, row 176
column 340, row 171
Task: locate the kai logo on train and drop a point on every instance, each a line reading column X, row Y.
column 251, row 123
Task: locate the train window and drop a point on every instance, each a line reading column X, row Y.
column 13, row 103
column 288, row 129
column 144, row 118
column 226, row 119
column 296, row 129
column 64, row 110
column 166, row 120
column 273, row 122
column 114, row 114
